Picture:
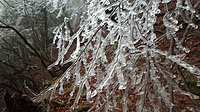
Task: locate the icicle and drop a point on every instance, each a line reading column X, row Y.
column 75, row 53
column 88, row 91
column 198, row 81
column 53, row 93
column 78, row 78
column 60, row 13
column 191, row 68
column 122, row 60
column 61, row 90
column 193, row 25
column 72, row 92
column 122, row 82
column 77, row 74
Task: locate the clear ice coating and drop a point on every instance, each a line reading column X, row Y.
column 166, row 1
column 61, row 90
column 122, row 54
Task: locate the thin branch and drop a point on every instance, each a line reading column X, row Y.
column 8, row 4
column 26, row 42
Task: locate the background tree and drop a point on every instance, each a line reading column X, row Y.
column 26, row 45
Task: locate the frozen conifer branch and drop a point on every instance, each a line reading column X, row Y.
column 121, row 54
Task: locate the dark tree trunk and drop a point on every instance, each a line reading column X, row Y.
column 20, row 103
